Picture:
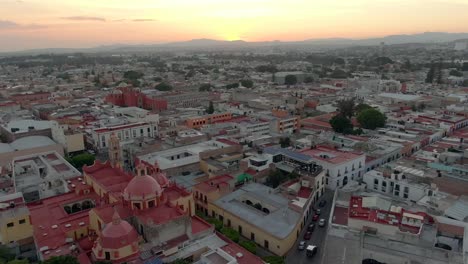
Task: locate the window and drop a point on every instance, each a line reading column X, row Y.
column 134, row 133
column 151, row 204
column 252, row 236
column 384, row 186
column 137, row 205
column 10, row 225
column 107, row 255
column 405, row 195
column 141, row 131
column 22, row 221
column 376, row 184
column 406, row 189
column 240, row 229
column 266, row 244
column 149, row 130
column 397, row 187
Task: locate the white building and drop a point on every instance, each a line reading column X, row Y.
column 254, row 127
column 398, row 184
column 340, row 166
column 101, row 135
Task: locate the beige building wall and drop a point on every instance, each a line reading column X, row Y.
column 74, row 142
column 276, row 245
column 16, row 227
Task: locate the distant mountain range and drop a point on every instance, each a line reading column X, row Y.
column 209, row 44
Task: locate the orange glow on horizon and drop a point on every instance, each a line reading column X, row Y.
column 84, row 23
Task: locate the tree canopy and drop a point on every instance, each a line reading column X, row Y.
column 210, row 108
column 371, row 118
column 308, row 79
column 341, row 124
column 267, row 68
column 456, row 73
column 346, row 107
column 132, row 75
column 61, row 260
column 361, row 107
column 247, row 83
column 232, row 85
column 205, row 87
column 80, row 160
column 290, row 79
column 163, row 87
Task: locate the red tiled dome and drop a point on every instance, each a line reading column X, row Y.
column 118, row 234
column 143, row 187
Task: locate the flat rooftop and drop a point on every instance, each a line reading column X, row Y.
column 181, row 156
column 279, row 222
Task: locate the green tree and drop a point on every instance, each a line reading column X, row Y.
column 210, row 108
column 6, row 254
column 249, row 245
column 80, row 160
column 163, row 87
column 247, row 83
column 61, row 260
column 274, row 260
column 455, row 73
column 309, row 79
column 205, row 87
column 275, row 178
column 267, row 68
column 290, row 79
column 371, row 118
column 218, row 224
column 341, row 124
column 340, row 61
column 465, row 66
column 230, row 233
column 232, row 85
column 285, row 142
column 430, row 74
column 339, row 74
column 18, row 261
column 346, row 107
column 465, row 83
column 361, row 107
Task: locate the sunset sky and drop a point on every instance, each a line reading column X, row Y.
column 26, row 24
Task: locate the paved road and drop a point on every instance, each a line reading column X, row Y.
column 318, row 236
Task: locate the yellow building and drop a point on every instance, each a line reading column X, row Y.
column 15, row 223
column 260, row 214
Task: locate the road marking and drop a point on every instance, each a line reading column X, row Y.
column 344, row 255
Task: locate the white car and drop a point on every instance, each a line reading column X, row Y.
column 322, row 222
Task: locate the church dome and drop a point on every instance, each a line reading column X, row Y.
column 142, row 187
column 118, row 234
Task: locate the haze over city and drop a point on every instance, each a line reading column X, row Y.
column 30, row 24
column 233, row 132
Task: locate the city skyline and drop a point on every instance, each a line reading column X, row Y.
column 29, row 24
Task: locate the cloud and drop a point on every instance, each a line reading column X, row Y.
column 84, row 18
column 7, row 24
column 143, row 20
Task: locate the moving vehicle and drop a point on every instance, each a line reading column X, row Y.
column 322, row 203
column 302, row 245
column 318, row 211
column 311, row 227
column 322, row 222
column 307, row 235
column 311, row 250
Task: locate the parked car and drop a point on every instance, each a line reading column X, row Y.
column 311, row 227
column 315, row 218
column 322, row 222
column 322, row 203
column 318, row 211
column 307, row 235
column 302, row 245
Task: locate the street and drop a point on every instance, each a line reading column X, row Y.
column 318, row 235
